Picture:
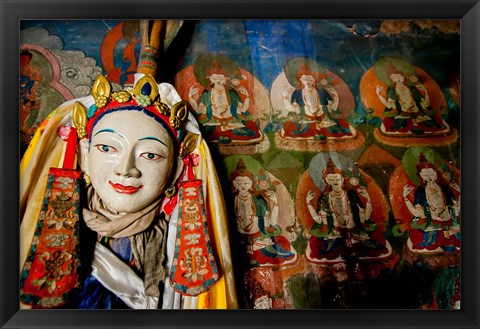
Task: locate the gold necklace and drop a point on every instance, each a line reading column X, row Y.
column 434, row 190
column 244, row 198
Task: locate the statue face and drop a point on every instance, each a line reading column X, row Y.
column 130, row 160
column 243, row 184
column 218, row 79
column 428, row 175
column 335, row 180
column 307, row 80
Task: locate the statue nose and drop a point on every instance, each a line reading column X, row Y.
column 126, row 167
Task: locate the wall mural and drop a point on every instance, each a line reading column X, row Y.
column 337, row 144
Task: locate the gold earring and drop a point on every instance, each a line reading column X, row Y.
column 87, row 180
column 170, row 191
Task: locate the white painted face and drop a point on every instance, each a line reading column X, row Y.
column 397, row 78
column 335, row 180
column 307, row 80
column 130, row 160
column 243, row 184
column 428, row 175
column 218, row 79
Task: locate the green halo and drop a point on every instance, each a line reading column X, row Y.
column 382, row 65
column 204, row 63
column 410, row 161
column 293, row 65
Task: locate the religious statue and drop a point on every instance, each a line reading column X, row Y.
column 141, row 232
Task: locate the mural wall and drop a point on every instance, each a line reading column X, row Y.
column 337, row 142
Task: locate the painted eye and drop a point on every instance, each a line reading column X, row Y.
column 105, row 148
column 151, row 156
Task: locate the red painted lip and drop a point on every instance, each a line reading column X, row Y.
column 125, row 189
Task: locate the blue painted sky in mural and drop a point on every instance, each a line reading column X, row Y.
column 262, row 47
column 348, row 47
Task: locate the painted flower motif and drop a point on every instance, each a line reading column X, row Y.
column 354, row 181
column 122, row 96
column 447, row 176
column 194, row 265
column 143, row 100
column 57, row 265
column 264, row 185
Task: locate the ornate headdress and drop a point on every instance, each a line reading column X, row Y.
column 331, row 168
column 216, row 69
column 241, row 170
column 392, row 69
column 305, row 70
column 423, row 163
column 143, row 97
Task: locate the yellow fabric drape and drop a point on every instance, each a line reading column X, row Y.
column 223, row 293
column 45, row 151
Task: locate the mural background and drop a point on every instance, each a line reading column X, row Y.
column 66, row 56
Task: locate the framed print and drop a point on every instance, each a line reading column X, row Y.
column 251, row 164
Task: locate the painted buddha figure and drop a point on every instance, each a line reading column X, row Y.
column 223, row 109
column 257, row 215
column 407, row 105
column 435, row 209
column 315, row 107
column 342, row 219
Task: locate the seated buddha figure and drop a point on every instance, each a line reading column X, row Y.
column 343, row 223
column 407, row 106
column 257, row 216
column 435, row 208
column 313, row 108
column 223, row 108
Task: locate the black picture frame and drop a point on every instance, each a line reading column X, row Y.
column 12, row 11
